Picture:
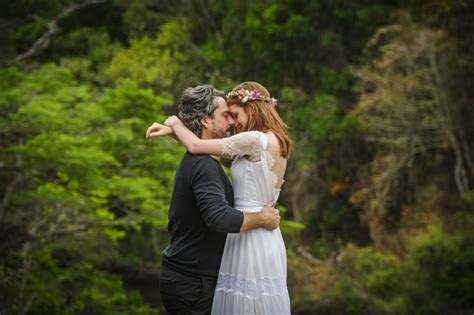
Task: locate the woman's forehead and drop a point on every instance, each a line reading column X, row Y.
column 235, row 107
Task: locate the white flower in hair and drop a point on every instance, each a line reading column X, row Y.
column 244, row 96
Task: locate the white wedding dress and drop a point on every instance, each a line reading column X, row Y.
column 252, row 275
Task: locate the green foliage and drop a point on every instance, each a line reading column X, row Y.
column 439, row 266
column 433, row 278
column 93, row 51
column 97, row 294
column 153, row 62
column 85, row 197
column 371, row 284
column 73, row 289
column 75, row 165
column 327, row 136
column 288, row 227
column 139, row 20
column 469, row 197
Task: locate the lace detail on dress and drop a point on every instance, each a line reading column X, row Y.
column 251, row 288
column 271, row 163
column 242, row 144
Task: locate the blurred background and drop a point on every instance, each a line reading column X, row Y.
column 378, row 96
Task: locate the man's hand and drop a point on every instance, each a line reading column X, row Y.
column 270, row 216
column 158, row 130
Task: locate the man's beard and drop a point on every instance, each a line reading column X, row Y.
column 218, row 133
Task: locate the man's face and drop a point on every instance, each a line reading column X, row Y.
column 222, row 122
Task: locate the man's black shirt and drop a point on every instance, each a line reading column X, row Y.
column 200, row 216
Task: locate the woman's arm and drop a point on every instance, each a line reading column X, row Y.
column 243, row 144
column 158, row 130
column 193, row 143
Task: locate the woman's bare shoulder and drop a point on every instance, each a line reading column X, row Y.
column 273, row 143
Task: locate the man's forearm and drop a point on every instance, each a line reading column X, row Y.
column 252, row 220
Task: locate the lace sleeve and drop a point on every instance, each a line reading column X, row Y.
column 242, row 144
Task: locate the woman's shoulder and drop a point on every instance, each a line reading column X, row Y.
column 272, row 140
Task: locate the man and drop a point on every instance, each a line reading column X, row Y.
column 201, row 213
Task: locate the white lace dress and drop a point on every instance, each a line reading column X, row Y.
column 252, row 275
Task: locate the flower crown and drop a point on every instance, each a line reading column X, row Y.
column 251, row 95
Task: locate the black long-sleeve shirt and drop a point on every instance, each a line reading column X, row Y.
column 200, row 215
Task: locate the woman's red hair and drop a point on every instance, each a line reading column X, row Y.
column 262, row 116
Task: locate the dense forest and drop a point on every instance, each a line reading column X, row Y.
column 379, row 195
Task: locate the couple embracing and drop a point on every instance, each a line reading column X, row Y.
column 226, row 253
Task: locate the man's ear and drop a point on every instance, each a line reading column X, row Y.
column 204, row 123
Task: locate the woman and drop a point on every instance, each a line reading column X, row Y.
column 252, row 275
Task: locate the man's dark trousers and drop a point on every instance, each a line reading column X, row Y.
column 183, row 294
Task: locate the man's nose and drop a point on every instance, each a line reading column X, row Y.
column 231, row 120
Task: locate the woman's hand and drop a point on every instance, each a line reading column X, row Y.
column 172, row 121
column 158, row 130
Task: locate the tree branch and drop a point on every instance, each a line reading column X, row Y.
column 54, row 233
column 53, row 28
column 10, row 187
column 440, row 98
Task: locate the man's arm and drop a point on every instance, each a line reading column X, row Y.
column 268, row 218
column 219, row 216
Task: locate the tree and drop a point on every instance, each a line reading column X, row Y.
column 411, row 120
column 74, row 168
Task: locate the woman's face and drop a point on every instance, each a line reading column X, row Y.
column 239, row 115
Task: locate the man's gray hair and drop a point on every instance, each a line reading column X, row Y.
column 196, row 103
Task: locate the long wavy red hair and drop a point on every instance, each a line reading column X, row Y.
column 262, row 116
